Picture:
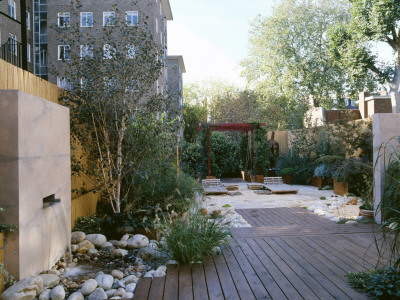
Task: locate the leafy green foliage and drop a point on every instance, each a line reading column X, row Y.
column 6, row 227
column 288, row 59
column 370, row 22
column 193, row 115
column 262, row 151
column 191, row 239
column 112, row 93
column 380, row 284
column 164, row 188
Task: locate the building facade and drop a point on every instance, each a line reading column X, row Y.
column 10, row 28
column 94, row 14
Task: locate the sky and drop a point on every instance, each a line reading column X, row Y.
column 212, row 36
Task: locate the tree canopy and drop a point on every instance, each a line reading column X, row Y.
column 371, row 21
column 289, row 60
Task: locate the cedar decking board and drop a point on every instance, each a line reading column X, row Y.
column 289, row 253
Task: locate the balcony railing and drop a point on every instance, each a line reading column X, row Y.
column 11, row 52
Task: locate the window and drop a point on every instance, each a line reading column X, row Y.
column 156, row 24
column 86, row 51
column 86, row 19
column 63, row 83
column 12, row 9
column 108, row 18
column 13, row 43
column 109, row 52
column 28, row 52
column 132, row 18
column 64, row 52
column 28, row 20
column 63, row 20
column 130, row 52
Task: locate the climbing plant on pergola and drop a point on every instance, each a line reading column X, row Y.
column 247, row 128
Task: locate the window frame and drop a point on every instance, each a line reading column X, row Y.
column 28, row 20
column 132, row 13
column 28, row 52
column 63, row 15
column 59, row 52
column 12, row 9
column 108, row 14
column 89, row 51
column 86, row 18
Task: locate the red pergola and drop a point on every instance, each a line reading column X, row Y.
column 242, row 127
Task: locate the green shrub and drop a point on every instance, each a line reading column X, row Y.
column 191, row 239
column 89, row 225
column 380, row 284
column 190, row 158
column 322, row 198
column 288, row 171
column 163, row 187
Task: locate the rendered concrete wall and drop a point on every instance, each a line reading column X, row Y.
column 34, row 163
column 385, row 127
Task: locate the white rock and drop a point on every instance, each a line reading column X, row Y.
column 88, row 287
column 76, row 296
column 49, row 280
column 106, row 245
column 111, row 293
column 120, row 292
column 92, row 251
column 149, row 273
column 127, row 296
column 130, row 288
column 120, row 244
column 45, row 295
column 96, row 239
column 159, row 274
column 74, row 248
column 117, row 274
column 120, row 252
column 351, row 222
column 137, row 241
column 118, row 284
column 105, row 281
column 27, row 288
column 359, row 218
column 172, row 262
column 131, row 279
column 98, row 294
column 125, row 238
column 77, row 237
column 162, row 268
column 115, row 298
column 58, row 293
column 54, row 272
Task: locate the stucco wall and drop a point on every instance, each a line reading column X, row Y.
column 34, row 163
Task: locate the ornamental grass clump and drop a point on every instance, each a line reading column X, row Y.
column 193, row 238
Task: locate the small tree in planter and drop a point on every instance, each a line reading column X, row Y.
column 321, row 175
column 287, row 175
column 262, row 154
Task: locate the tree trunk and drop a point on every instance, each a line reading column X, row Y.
column 395, row 86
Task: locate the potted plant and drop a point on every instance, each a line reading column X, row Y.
column 321, row 175
column 287, row 175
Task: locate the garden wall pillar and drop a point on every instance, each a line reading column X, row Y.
column 385, row 127
column 35, row 164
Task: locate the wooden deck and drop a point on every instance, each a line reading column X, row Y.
column 288, row 254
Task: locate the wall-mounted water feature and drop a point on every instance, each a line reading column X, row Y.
column 35, row 181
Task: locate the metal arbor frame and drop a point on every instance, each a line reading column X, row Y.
column 241, row 127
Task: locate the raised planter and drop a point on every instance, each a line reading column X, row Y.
column 319, row 182
column 287, row 179
column 367, row 213
column 260, row 178
column 340, row 188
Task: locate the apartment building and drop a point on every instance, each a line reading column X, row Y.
column 11, row 28
column 94, row 14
